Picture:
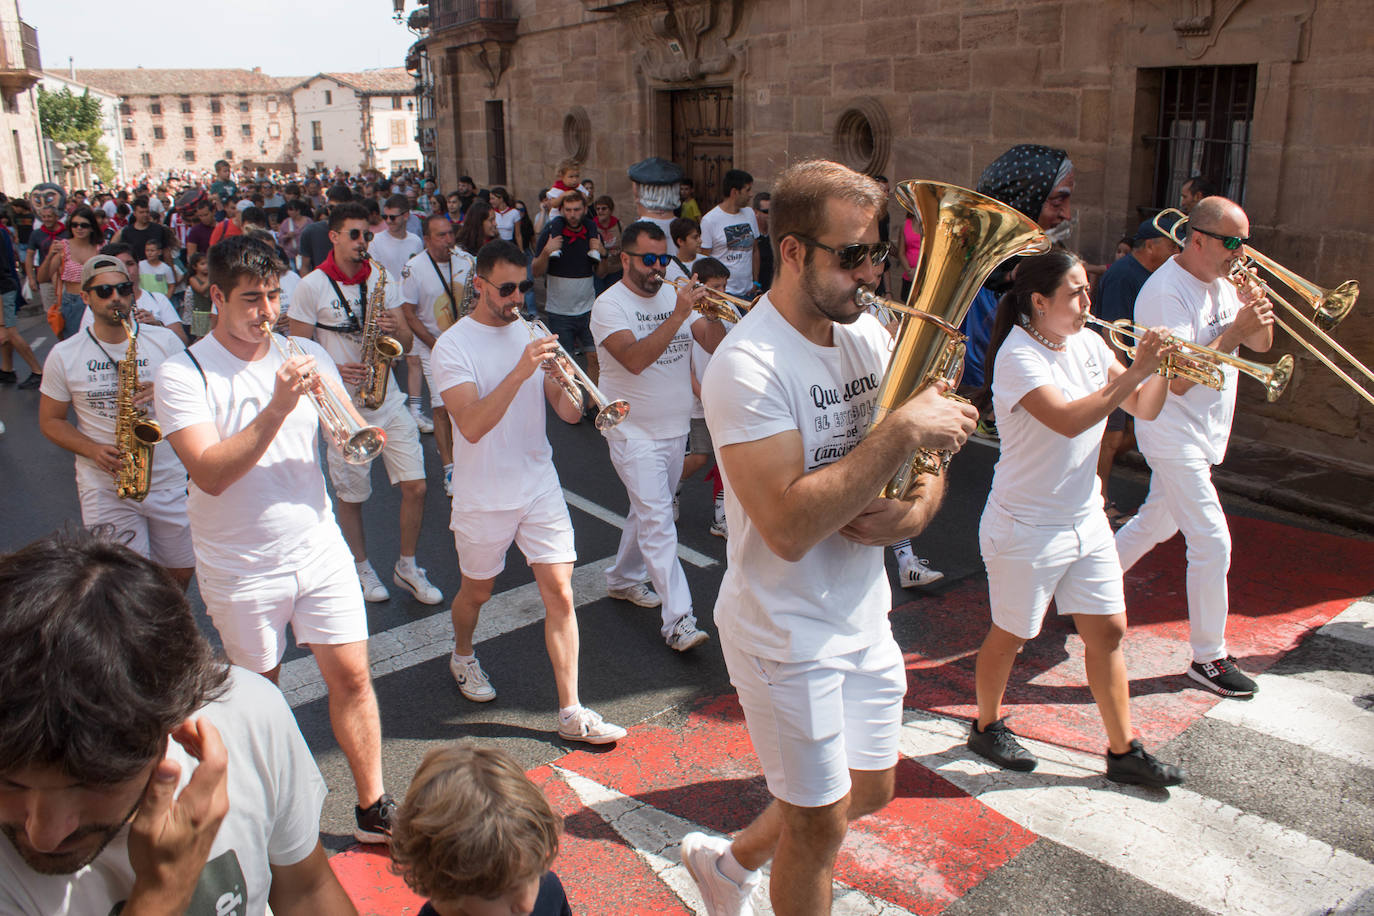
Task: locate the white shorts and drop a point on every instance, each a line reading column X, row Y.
column 542, row 530
column 156, row 528
column 322, row 600
column 1028, row 565
column 436, row 401
column 403, row 456
column 812, row 722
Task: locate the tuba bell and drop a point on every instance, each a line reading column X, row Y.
column 967, row 236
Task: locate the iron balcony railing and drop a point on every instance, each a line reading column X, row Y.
column 448, row 13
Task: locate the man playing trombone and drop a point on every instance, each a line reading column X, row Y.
column 505, row 487
column 1192, row 297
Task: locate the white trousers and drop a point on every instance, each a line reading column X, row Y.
column 650, row 470
column 1182, row 498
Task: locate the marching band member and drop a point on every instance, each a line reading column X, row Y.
column 269, row 550
column 1191, row 296
column 1044, row 533
column 506, row 488
column 82, row 372
column 330, row 305
column 803, row 608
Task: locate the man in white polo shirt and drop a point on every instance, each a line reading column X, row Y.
column 644, row 331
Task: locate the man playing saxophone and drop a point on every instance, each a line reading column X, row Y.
column 270, row 551
column 89, row 372
column 330, row 305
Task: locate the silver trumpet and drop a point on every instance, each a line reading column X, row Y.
column 574, row 381
column 358, row 444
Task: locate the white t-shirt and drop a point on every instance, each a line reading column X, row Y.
column 275, row 792
column 513, row 463
column 275, row 516
column 392, row 252
column 765, row 379
column 157, row 279
column 1043, row 477
column 730, row 238
column 289, row 281
column 77, row 371
column 1196, row 424
column 423, row 284
column 506, row 222
column 157, row 304
column 661, row 396
column 315, row 302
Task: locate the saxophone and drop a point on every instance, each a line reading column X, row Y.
column 378, row 349
column 135, row 434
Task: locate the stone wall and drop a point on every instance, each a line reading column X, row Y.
column 169, row 152
column 945, row 86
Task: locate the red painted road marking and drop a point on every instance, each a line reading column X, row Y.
column 365, row 873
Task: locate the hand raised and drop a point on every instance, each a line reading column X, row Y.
column 937, row 422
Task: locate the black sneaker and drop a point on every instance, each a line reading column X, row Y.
column 33, row 381
column 1223, row 676
column 7, row 377
column 998, row 744
column 1137, row 768
column 374, row 822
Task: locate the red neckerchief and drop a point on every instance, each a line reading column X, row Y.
column 53, row 236
column 600, row 224
column 572, row 234
column 561, row 186
column 331, row 270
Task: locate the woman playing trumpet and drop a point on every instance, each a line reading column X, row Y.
column 1044, row 533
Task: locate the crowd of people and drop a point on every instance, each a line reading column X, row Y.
column 270, row 314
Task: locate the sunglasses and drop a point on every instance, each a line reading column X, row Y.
column 662, row 260
column 507, row 289
column 76, row 225
column 391, row 217
column 364, row 234
column 1229, row 242
column 850, row 256
column 106, row 290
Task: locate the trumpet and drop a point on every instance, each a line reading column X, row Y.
column 358, row 444
column 574, row 381
column 716, row 304
column 1200, row 364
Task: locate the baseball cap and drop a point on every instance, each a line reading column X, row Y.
column 1147, row 230
column 102, row 264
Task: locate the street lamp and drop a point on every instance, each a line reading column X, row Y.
column 398, row 9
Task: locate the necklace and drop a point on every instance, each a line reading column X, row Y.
column 1056, row 347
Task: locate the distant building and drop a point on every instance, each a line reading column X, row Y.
column 21, row 155
column 357, row 121
column 188, row 119
column 110, row 127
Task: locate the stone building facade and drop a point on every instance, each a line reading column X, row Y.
column 1264, row 96
column 187, row 119
column 357, row 120
column 21, row 155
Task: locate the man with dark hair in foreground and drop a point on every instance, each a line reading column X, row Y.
column 139, row 774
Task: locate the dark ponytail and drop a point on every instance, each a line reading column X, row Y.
column 1038, row 274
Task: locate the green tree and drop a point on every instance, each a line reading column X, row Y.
column 69, row 118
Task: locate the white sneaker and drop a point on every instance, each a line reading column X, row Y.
column 916, row 572
column 588, row 726
column 448, row 481
column 685, row 635
column 373, row 589
column 677, row 505
column 718, row 528
column 472, row 680
column 418, row 584
column 639, row 594
column 425, row 424
column 722, row 896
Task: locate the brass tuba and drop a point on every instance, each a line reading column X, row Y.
column 378, row 348
column 135, row 434
column 967, row 236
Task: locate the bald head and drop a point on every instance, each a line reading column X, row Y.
column 1211, row 222
column 1211, row 212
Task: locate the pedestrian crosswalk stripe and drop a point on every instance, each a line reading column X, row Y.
column 1306, row 714
column 695, row 557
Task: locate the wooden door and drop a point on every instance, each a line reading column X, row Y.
column 704, row 138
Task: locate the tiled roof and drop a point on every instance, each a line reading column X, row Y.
column 143, row 81
column 384, row 80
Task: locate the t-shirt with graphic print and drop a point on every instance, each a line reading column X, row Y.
column 730, row 238
column 661, row 396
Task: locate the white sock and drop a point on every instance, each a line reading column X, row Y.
column 362, row 566
column 448, row 468
column 902, row 549
column 729, row 867
column 567, row 712
column 406, row 564
column 465, row 659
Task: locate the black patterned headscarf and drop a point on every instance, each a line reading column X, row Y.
column 1024, row 176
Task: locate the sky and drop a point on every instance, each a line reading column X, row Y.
column 283, row 37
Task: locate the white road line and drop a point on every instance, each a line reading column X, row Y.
column 1355, row 623
column 696, row 558
column 37, row 342
column 421, row 640
column 655, row 834
column 1198, row 849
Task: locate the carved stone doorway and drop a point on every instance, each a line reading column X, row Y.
column 702, row 127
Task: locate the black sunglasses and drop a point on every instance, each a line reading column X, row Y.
column 106, row 290
column 506, row 289
column 1229, row 242
column 364, row 234
column 850, row 256
column 662, row 260
column 392, row 216
column 75, row 225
